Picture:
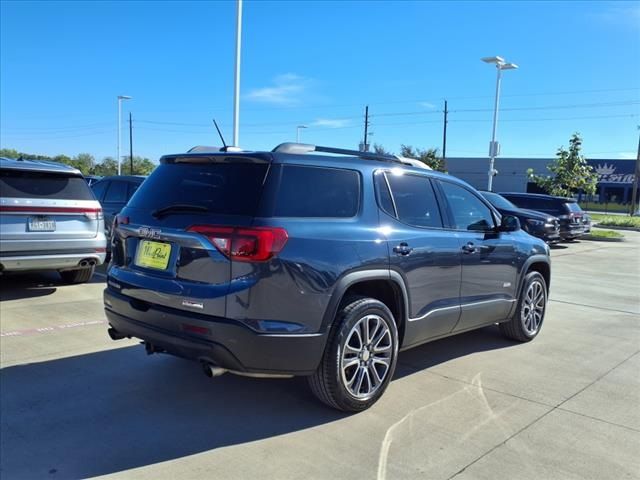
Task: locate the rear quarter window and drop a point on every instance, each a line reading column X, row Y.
column 305, row 192
column 43, row 185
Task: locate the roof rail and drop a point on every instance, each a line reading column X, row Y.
column 302, row 148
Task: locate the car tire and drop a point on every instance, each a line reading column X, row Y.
column 79, row 275
column 360, row 357
column 527, row 320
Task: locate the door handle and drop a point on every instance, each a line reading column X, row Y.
column 470, row 248
column 403, row 249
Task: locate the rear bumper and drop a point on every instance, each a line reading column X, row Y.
column 60, row 261
column 572, row 231
column 219, row 341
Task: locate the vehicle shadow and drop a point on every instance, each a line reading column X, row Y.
column 111, row 411
column 114, row 410
column 17, row 285
column 457, row 346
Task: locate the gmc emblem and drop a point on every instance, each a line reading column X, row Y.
column 149, row 232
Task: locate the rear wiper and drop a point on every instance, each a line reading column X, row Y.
column 178, row 207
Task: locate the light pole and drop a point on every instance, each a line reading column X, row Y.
column 120, row 98
column 236, row 92
column 494, row 147
column 298, row 128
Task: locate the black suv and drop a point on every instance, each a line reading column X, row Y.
column 538, row 224
column 288, row 263
column 571, row 216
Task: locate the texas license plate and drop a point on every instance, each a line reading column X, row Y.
column 153, row 254
column 41, row 224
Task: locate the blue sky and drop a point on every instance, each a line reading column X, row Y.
column 62, row 64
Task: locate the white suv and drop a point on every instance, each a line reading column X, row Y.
column 49, row 220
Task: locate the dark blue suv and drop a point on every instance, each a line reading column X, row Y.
column 316, row 262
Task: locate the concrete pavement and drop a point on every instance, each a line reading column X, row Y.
column 75, row 404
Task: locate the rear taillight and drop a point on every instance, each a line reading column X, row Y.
column 121, row 220
column 256, row 244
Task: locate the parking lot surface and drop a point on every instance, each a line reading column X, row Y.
column 75, row 404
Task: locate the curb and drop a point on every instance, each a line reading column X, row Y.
column 601, row 239
column 614, row 227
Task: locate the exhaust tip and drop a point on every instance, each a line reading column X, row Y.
column 114, row 334
column 213, row 370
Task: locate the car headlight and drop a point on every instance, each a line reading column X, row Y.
column 535, row 223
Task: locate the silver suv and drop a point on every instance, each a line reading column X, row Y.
column 49, row 220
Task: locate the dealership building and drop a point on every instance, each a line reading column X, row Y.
column 615, row 177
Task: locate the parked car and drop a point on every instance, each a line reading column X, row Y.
column 586, row 221
column 566, row 210
column 91, row 179
column 541, row 225
column 290, row 263
column 49, row 219
column 113, row 193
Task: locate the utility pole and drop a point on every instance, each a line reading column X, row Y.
column 444, row 138
column 130, row 145
column 365, row 144
column 636, row 179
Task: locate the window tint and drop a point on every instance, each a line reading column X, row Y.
column 317, row 192
column 99, row 188
column 382, row 191
column 415, row 200
column 117, row 192
column 469, row 213
column 132, row 189
column 21, row 184
column 224, row 188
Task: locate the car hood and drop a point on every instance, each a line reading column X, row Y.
column 532, row 214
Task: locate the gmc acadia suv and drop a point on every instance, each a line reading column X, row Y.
column 291, row 263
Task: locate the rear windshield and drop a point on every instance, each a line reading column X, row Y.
column 222, row 188
column 22, row 184
column 316, row 192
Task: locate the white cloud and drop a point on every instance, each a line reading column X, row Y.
column 428, row 105
column 620, row 15
column 331, row 123
column 627, row 155
column 287, row 89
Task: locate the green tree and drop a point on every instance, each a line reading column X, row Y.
column 108, row 166
column 142, row 166
column 380, row 150
column 569, row 172
column 428, row 156
column 83, row 162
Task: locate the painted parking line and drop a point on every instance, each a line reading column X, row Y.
column 54, row 328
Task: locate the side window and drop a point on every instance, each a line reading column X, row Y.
column 415, row 200
column 132, row 189
column 317, row 192
column 99, row 188
column 469, row 212
column 116, row 193
column 383, row 194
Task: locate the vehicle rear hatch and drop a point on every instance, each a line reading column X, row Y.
column 576, row 213
column 172, row 241
column 48, row 207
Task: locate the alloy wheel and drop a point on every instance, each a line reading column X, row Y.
column 366, row 356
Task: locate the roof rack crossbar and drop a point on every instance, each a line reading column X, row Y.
column 302, row 148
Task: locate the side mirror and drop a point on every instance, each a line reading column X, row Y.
column 509, row 224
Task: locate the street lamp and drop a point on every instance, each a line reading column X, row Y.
column 494, row 147
column 298, row 132
column 120, row 98
column 236, row 81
